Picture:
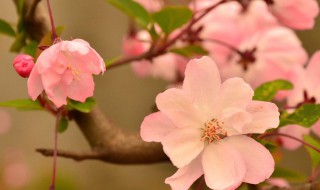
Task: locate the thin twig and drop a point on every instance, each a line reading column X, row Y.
column 77, row 156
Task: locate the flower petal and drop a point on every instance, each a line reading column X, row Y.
column 81, row 87
column 234, row 93
column 258, row 160
column 179, row 108
column 295, row 131
column 265, row 115
column 202, row 82
column 35, row 86
column 316, row 128
column 223, row 165
column 234, row 119
column 186, row 176
column 183, row 145
column 155, row 127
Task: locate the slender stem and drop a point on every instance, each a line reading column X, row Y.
column 314, row 175
column 55, row 152
column 201, row 183
column 289, row 136
column 54, row 35
column 224, row 44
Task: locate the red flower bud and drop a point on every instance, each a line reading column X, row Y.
column 23, row 65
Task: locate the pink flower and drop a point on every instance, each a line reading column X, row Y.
column 151, row 5
column 137, row 44
column 297, row 14
column 266, row 55
column 306, row 90
column 65, row 70
column 295, row 131
column 201, row 128
column 23, row 64
column 169, row 66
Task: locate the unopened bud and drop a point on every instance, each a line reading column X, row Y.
column 23, row 64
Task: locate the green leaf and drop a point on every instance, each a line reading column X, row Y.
column 85, row 107
column 19, row 42
column 268, row 90
column 22, row 104
column 63, row 125
column 190, row 51
column 5, row 28
column 171, row 18
column 288, row 174
column 306, row 115
column 134, row 10
column 31, row 48
column 314, row 155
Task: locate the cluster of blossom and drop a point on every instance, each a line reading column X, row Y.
column 247, row 39
column 204, row 125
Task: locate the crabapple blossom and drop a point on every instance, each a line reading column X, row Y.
column 297, row 14
column 266, row 55
column 168, row 66
column 202, row 129
column 23, row 64
column 294, row 131
column 65, row 70
column 306, row 90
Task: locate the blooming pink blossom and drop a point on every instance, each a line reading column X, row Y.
column 266, row 55
column 306, row 90
column 23, row 64
column 201, row 128
column 168, row 66
column 137, row 44
column 151, row 5
column 65, row 70
column 294, row 131
column 297, row 14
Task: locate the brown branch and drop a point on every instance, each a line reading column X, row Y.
column 77, row 156
column 114, row 144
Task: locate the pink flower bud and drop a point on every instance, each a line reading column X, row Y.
column 23, row 64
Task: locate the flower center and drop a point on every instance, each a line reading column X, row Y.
column 213, row 131
column 247, row 58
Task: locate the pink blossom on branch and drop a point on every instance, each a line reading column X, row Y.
column 169, row 66
column 306, row 90
column 266, row 55
column 65, row 70
column 202, row 127
column 297, row 14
